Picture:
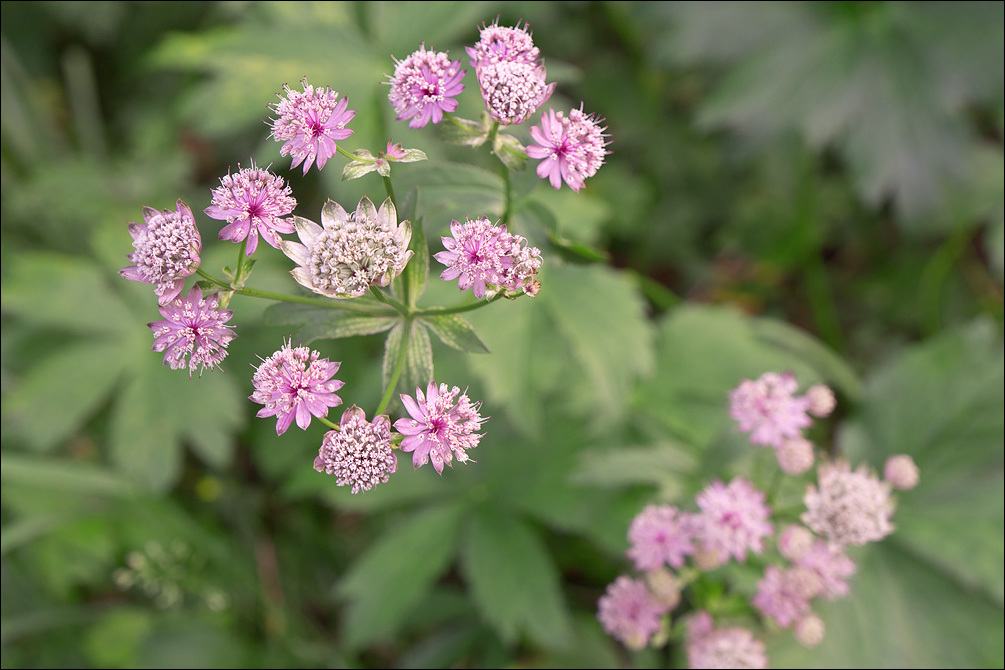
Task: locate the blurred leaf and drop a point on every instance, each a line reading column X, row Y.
column 64, row 292
column 455, row 332
column 625, row 466
column 410, row 284
column 318, row 323
column 396, row 572
column 614, row 356
column 418, row 353
column 84, row 478
column 60, row 393
column 514, row 581
column 703, row 352
column 455, row 191
column 954, row 519
column 162, row 409
column 114, row 640
column 887, row 83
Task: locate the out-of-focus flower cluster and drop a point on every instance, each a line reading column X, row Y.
column 672, row 547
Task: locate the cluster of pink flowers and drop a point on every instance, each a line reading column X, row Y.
column 769, row 409
column 253, row 202
column 672, row 547
column 483, row 256
column 310, row 123
column 442, row 426
column 424, row 86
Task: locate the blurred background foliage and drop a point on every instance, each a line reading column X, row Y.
column 815, row 187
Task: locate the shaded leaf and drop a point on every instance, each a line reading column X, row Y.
column 318, row 323
column 513, row 580
column 396, row 572
column 455, row 332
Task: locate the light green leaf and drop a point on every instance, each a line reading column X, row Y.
column 456, row 332
column 463, row 132
column 509, row 150
column 64, row 292
column 396, row 572
column 59, row 394
column 408, row 339
column 318, row 323
column 513, row 580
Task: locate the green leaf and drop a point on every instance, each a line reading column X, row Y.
column 941, row 403
column 455, row 332
column 58, row 394
column 319, row 323
column 408, row 339
column 410, row 284
column 613, row 355
column 509, row 150
column 396, row 572
column 160, row 409
column 702, row 354
column 514, row 581
column 464, row 132
column 70, row 476
column 455, row 191
column 64, row 292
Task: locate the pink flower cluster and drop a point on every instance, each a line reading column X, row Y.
column 483, row 256
column 310, row 123
column 424, row 86
column 673, row 547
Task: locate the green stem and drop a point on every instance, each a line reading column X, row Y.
column 240, row 258
column 399, row 366
column 338, row 147
column 325, row 421
column 436, row 311
column 390, row 191
column 347, row 305
column 402, row 309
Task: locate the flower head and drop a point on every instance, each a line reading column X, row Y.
column 349, row 253
column 901, row 472
column 358, row 453
column 795, row 456
column 711, row 647
column 443, row 425
column 310, row 123
column 511, row 78
column 194, row 333
column 252, row 202
column 295, row 382
column 480, row 255
column 821, row 400
column 571, row 147
column 167, row 250
column 424, row 86
column 809, row 630
column 630, row 613
column 768, row 409
column 795, row 541
column 831, row 564
column 660, row 535
column 784, row 595
column 733, row 519
column 500, row 43
column 848, row 507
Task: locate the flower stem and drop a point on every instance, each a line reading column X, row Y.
column 402, row 309
column 390, row 191
column 399, row 366
column 345, row 153
column 325, row 421
column 346, row 305
column 436, row 311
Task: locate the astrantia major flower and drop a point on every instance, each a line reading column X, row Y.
column 768, row 409
column 500, row 43
column 481, row 255
column 783, row 595
column 167, row 247
column 194, row 333
column 831, row 564
column 901, row 472
column 510, row 76
column 359, row 453
column 571, row 147
column 424, row 86
column 310, row 123
column 349, row 253
column 295, row 382
column 443, row 425
column 660, row 535
column 711, row 647
column 848, row 507
column 253, row 202
column 733, row 520
column 630, row 613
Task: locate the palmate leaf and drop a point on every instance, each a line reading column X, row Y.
column 513, row 580
column 887, row 84
column 386, row 583
column 455, row 332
